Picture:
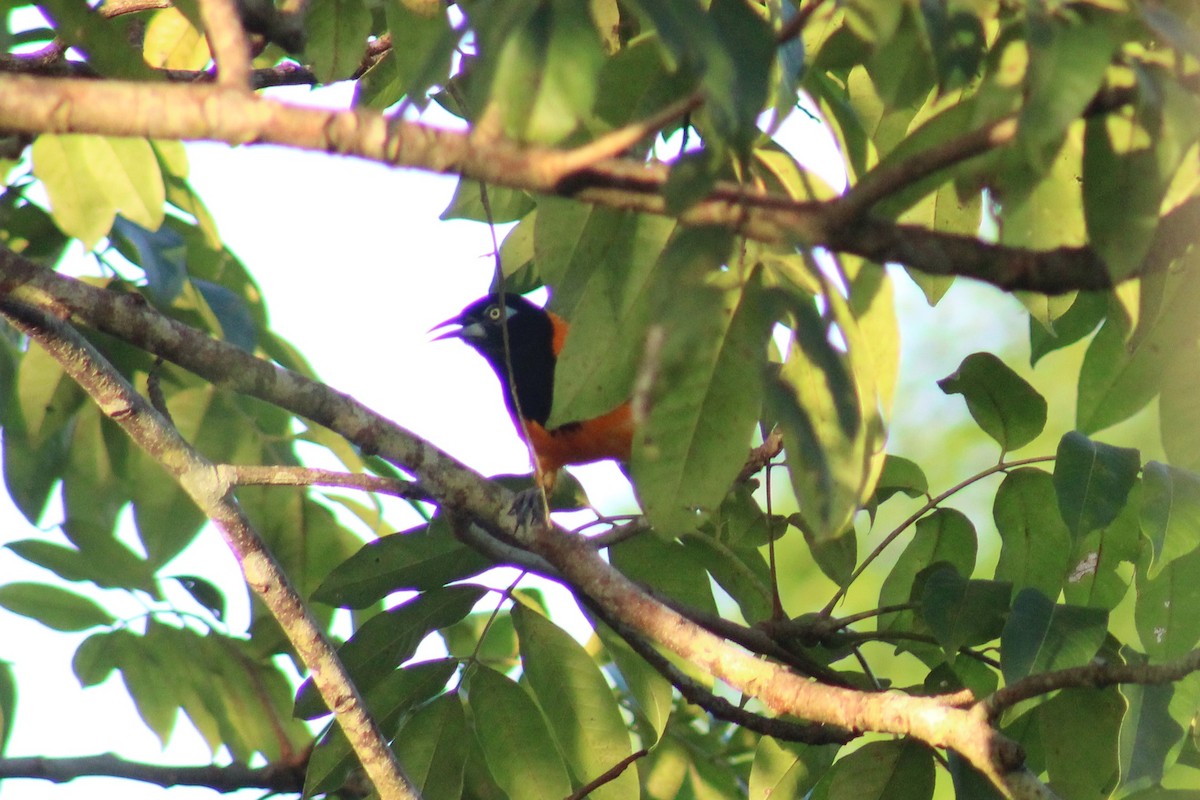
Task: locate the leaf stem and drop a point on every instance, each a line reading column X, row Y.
column 933, row 503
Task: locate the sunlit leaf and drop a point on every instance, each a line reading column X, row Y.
column 515, row 738
column 581, row 709
column 1036, row 545
column 53, row 606
column 431, row 745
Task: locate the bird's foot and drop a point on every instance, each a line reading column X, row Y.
column 530, row 508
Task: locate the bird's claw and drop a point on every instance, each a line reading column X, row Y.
column 530, row 509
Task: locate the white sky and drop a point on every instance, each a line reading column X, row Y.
column 356, row 268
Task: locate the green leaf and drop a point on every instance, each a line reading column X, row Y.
column 1035, row 547
column 112, row 565
column 835, row 555
column 1121, row 197
column 1150, row 735
column 1040, row 636
column 337, row 37
column 1068, row 56
column 432, row 747
column 173, row 42
column 740, row 570
column 544, row 59
column 1170, row 512
column 609, row 314
column 1079, row 735
column 962, row 612
column 421, row 558
column 8, row 703
column 578, row 703
column 506, row 205
column 734, row 99
column 1092, row 481
column 1095, row 578
column 1001, row 402
column 89, row 179
column 54, row 607
column 668, row 567
column 787, row 769
column 1119, row 377
column 1165, row 612
column 517, row 744
column 883, row 770
column 651, row 692
column 205, row 593
column 703, row 405
column 422, row 49
column 1179, row 413
column 333, row 761
column 900, row 475
column 945, row 536
column 1087, row 310
column 387, row 640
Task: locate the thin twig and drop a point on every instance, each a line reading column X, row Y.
column 607, row 776
column 256, row 475
column 920, row 512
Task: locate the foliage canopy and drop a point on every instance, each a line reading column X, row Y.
column 856, row 631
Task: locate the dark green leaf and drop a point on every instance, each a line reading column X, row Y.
column 1040, row 636
column 162, row 255
column 432, row 747
column 1149, row 733
column 668, row 567
column 1092, row 481
column 1079, row 734
column 578, row 703
column 945, row 536
column 1001, row 402
column 421, row 558
column 1179, row 413
column 835, row 555
column 54, row 607
column 1035, row 543
column 1095, row 578
column 333, row 761
column 962, row 612
column 387, row 640
column 205, row 593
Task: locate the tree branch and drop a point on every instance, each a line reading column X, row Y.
column 275, row 778
column 214, row 113
column 203, row 483
column 227, row 42
column 253, row 475
column 1092, row 676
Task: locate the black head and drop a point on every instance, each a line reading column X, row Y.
column 530, row 348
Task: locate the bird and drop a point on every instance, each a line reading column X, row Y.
column 535, row 337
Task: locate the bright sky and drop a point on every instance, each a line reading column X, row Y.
column 356, row 268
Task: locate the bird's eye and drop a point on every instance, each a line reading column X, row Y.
column 493, row 313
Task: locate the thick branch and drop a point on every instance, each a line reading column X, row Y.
column 202, row 481
column 215, row 113
column 278, row 779
column 254, row 475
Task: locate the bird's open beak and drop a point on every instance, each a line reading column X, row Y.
column 464, row 331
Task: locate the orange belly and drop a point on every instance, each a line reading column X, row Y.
column 607, row 436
